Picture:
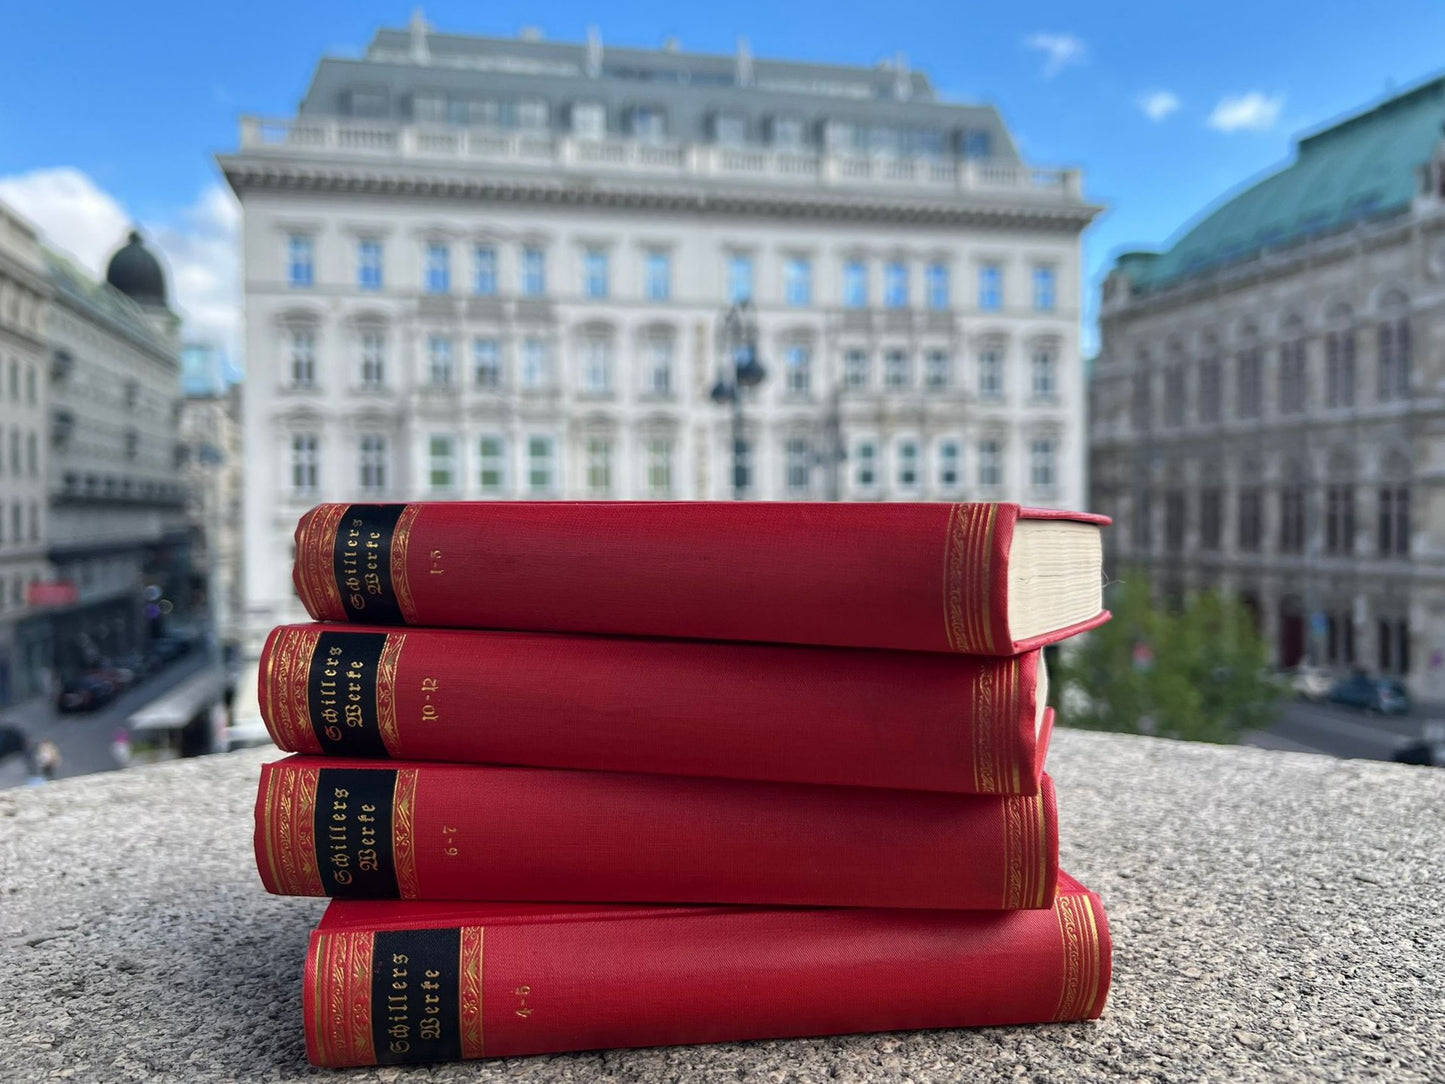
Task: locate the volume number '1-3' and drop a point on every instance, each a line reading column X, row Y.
column 429, row 686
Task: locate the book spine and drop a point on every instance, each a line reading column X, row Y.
column 359, row 829
column 908, row 720
column 389, row 994
column 918, row 577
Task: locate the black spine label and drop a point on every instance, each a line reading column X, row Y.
column 353, row 833
column 415, row 996
column 341, row 694
column 363, row 563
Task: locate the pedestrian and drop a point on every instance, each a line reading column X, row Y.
column 47, row 761
column 120, row 747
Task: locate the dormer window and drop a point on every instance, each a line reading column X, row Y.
column 730, row 129
column 367, row 102
column 589, row 120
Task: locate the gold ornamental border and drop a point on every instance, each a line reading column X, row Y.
column 469, row 993
column 403, row 833
column 400, row 582
column 386, row 692
column 968, row 560
column 285, row 704
column 289, row 830
column 316, row 562
column 1083, row 967
column 342, row 977
column 1026, row 861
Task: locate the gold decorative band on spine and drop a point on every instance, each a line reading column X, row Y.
column 343, row 998
column 470, row 992
column 386, row 692
column 1025, row 834
column 968, row 561
column 1008, row 746
column 285, row 701
column 403, row 833
column 1082, row 964
column 316, row 562
column 400, row 583
column 289, row 829
column 985, row 707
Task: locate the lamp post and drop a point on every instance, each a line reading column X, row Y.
column 739, row 368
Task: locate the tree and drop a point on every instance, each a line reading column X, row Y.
column 1200, row 673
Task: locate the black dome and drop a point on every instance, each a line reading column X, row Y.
column 136, row 272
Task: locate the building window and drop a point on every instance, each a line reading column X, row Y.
column 990, row 373
column 787, row 133
column 798, row 468
column 907, row 465
column 1143, row 522
column 1175, row 404
column 1209, row 390
column 492, row 464
column 368, row 264
column 798, row 281
column 990, row 287
column 1174, row 522
column 740, row 278
column 437, row 269
column 534, row 272
column 865, row 465
column 1045, row 373
column 1394, row 370
column 659, row 468
column 303, row 358
column 855, row 369
column 990, row 464
column 487, row 362
column 895, row 285
column 855, row 284
column 1339, row 639
column 1211, row 517
column 541, row 466
column 373, row 359
column 440, row 373
column 1292, row 377
column 1044, row 289
column 589, row 120
column 300, row 261
column 1251, row 527
column 594, row 273
column 599, row 468
column 649, row 125
column 896, row 368
column 32, row 457
column 799, row 361
column 441, row 472
column 730, row 129
column 1393, row 636
column 533, row 114
column 936, row 286
column 1042, row 456
column 950, row 470
column 596, row 366
column 743, row 465
column 1340, row 368
column 484, row 270
column 657, row 373
column 1340, row 519
column 373, row 463
column 1292, row 518
column 938, row 368
column 305, row 464
column 1249, row 384
column 659, row 275
column 1393, row 537
column 534, row 364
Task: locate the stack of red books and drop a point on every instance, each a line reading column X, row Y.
column 588, row 775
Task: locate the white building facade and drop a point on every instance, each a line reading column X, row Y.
column 24, row 295
column 488, row 269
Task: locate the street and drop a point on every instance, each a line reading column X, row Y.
column 1310, row 727
column 84, row 738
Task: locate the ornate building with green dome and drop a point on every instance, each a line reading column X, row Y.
column 1268, row 405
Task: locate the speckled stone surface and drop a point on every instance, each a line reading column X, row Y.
column 1276, row 916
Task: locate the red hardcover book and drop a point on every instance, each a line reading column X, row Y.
column 390, row 983
column 363, row 829
column 857, row 717
column 977, row 579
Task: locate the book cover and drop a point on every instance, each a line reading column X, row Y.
column 843, row 716
column 978, row 579
column 370, row 829
column 394, row 983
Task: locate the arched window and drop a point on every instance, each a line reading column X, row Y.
column 1340, row 357
column 1393, row 339
column 1292, row 372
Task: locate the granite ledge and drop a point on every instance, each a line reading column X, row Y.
column 1276, row 916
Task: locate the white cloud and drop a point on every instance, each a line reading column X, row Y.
column 1060, row 51
column 1158, row 104
column 1254, row 112
column 197, row 242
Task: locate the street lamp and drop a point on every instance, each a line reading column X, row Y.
column 740, row 368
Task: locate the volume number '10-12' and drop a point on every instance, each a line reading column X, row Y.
column 429, row 686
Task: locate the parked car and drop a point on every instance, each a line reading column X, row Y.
column 85, row 693
column 1359, row 690
column 1310, row 682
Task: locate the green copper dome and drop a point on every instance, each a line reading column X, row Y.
column 1363, row 167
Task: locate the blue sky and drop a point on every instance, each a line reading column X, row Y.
column 114, row 111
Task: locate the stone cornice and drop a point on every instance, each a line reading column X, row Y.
column 247, row 173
